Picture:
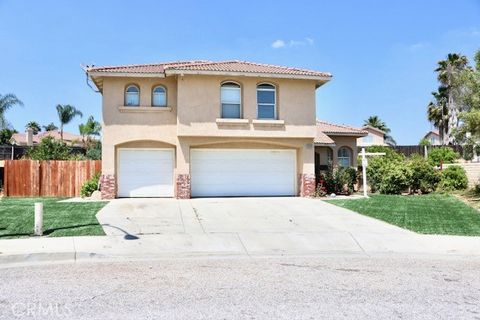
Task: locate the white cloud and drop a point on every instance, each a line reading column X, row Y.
column 292, row 43
column 278, row 44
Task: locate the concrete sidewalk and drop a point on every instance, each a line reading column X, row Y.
column 72, row 249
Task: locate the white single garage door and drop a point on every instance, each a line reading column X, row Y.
column 242, row 172
column 145, row 172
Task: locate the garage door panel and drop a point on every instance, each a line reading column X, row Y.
column 249, row 172
column 145, row 173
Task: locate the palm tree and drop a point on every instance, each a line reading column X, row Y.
column 66, row 113
column 437, row 112
column 50, row 127
column 448, row 72
column 34, row 126
column 376, row 122
column 6, row 102
column 91, row 127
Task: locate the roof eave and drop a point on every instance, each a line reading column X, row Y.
column 346, row 134
column 320, row 79
column 126, row 74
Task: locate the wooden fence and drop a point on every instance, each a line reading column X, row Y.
column 30, row 178
column 416, row 149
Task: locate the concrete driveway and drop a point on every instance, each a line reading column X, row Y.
column 249, row 226
column 234, row 215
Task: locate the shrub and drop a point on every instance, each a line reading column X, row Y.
column 442, row 155
column 351, row 177
column 477, row 149
column 90, row 186
column 396, row 178
column 94, row 151
column 424, row 177
column 453, row 178
column 340, row 181
column 468, row 152
column 49, row 149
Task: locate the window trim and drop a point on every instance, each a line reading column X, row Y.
column 166, row 96
column 349, row 157
column 226, row 82
column 274, row 96
column 126, row 92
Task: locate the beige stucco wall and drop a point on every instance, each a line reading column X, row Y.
column 376, row 141
column 340, row 141
column 199, row 101
column 190, row 121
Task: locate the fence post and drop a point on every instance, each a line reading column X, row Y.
column 425, row 148
column 38, row 229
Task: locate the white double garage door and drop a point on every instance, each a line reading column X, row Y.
column 214, row 172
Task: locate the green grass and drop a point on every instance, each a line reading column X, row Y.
column 428, row 214
column 59, row 219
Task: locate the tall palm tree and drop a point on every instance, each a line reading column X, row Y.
column 376, row 122
column 448, row 71
column 7, row 101
column 34, row 126
column 66, row 113
column 437, row 112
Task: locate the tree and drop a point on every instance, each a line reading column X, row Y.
column 376, row 122
column 34, row 126
column 50, row 127
column 6, row 134
column 66, row 113
column 437, row 112
column 424, row 142
column 448, row 73
column 7, row 101
column 88, row 129
column 49, row 149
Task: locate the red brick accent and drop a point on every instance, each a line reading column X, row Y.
column 108, row 186
column 308, row 185
column 183, row 186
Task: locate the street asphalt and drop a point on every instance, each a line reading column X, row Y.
column 315, row 287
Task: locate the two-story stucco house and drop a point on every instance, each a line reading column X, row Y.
column 202, row 128
column 374, row 137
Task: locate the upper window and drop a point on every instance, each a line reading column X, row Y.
column 266, row 101
column 132, row 96
column 344, row 157
column 159, row 97
column 231, row 100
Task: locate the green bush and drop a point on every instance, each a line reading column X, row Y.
column 340, row 181
column 396, row 178
column 453, row 178
column 94, row 151
column 424, row 177
column 442, row 155
column 49, row 149
column 468, row 152
column 90, row 186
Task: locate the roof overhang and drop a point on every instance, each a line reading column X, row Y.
column 345, row 134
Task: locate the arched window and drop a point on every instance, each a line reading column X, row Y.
column 230, row 96
column 159, row 96
column 344, row 157
column 132, row 96
column 266, row 101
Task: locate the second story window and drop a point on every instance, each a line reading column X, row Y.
column 159, row 97
column 266, row 101
column 230, row 97
column 132, row 96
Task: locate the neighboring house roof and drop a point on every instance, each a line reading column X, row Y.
column 367, row 127
column 432, row 133
column 231, row 68
column 326, row 129
column 21, row 138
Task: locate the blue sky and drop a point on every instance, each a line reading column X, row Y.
column 381, row 53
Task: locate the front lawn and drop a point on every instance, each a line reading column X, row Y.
column 59, row 218
column 429, row 214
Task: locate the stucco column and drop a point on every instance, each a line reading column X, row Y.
column 307, row 176
column 182, row 173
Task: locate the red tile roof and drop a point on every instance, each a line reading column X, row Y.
column 200, row 66
column 21, row 138
column 338, row 129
